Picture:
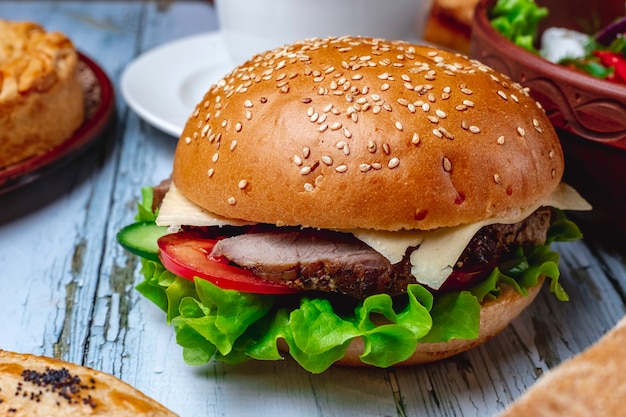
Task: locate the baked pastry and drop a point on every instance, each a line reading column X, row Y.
column 41, row 99
column 36, row 386
column 591, row 383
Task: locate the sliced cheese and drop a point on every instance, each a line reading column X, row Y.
column 437, row 250
column 433, row 261
column 177, row 210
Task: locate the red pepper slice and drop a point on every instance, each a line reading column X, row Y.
column 614, row 60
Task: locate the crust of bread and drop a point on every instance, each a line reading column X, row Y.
column 41, row 99
column 76, row 390
column 592, row 383
column 346, row 133
column 495, row 316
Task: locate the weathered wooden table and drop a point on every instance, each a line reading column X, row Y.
column 67, row 288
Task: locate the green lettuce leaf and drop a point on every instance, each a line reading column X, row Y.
column 231, row 326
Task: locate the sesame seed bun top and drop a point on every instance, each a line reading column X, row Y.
column 355, row 132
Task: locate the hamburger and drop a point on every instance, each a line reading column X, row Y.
column 354, row 201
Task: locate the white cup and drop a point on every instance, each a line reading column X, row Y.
column 252, row 26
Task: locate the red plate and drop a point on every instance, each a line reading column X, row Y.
column 91, row 131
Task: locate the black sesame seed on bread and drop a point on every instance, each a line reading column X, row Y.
column 36, row 386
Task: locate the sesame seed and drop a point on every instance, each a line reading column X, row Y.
column 322, row 127
column 426, row 107
column 232, row 201
column 441, row 114
column 215, row 157
column 437, row 133
column 496, row 178
column 305, row 170
column 297, row 160
column 365, row 167
column 551, row 155
column 521, row 131
column 466, row 91
column 210, row 172
column 474, row 129
column 500, row 140
column 233, row 145
column 308, row 187
column 248, row 104
column 347, row 133
column 447, row 165
column 433, row 119
column 386, row 148
column 502, row 94
column 242, row 184
column 393, row 162
column 187, row 140
column 553, row 173
column 238, row 127
column 336, row 126
column 415, row 139
column 445, row 133
column 384, row 87
column 327, row 160
column 341, row 168
column 403, row 101
column 468, row 103
column 399, row 126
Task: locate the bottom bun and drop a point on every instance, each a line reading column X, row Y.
column 495, row 315
column 36, row 386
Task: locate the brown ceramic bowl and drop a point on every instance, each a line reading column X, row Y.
column 588, row 113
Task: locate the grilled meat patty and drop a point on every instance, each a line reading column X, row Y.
column 338, row 262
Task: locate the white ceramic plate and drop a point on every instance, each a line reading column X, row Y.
column 164, row 84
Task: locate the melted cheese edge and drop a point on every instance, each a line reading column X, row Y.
column 437, row 250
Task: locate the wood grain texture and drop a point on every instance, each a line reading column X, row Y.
column 68, row 287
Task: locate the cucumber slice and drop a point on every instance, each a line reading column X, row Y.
column 141, row 239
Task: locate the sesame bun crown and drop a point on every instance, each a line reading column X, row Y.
column 355, row 132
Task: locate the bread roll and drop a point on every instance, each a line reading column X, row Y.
column 592, row 383
column 41, row 98
column 38, row 386
column 428, row 137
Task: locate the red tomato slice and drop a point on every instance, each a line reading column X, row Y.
column 187, row 254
